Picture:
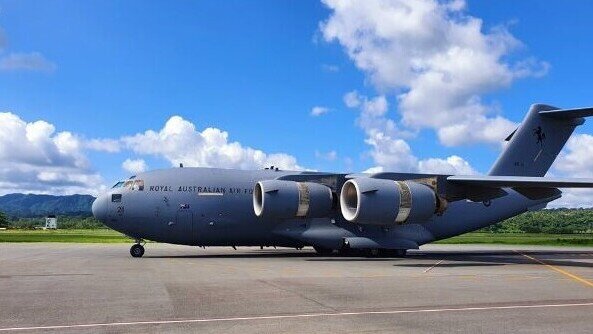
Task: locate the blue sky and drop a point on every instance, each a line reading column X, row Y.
column 113, row 69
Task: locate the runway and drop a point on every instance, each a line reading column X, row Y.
column 99, row 288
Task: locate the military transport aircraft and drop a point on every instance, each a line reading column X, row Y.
column 381, row 213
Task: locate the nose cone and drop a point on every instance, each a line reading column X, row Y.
column 100, row 208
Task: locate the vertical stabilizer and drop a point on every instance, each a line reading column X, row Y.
column 533, row 147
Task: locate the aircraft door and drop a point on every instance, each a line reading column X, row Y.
column 184, row 228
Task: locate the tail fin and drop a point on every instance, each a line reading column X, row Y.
column 533, row 147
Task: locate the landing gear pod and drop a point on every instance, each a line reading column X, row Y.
column 386, row 202
column 289, row 199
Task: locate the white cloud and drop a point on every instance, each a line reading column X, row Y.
column 396, row 155
column 37, row 159
column 103, row 145
column 23, row 61
column 33, row 61
column 575, row 159
column 373, row 115
column 451, row 165
column 437, row 60
column 574, row 198
column 329, row 156
column 389, row 151
column 575, row 162
column 134, row 166
column 318, row 111
column 179, row 142
column 392, row 154
column 351, row 99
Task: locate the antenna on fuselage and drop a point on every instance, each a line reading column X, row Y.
column 180, row 165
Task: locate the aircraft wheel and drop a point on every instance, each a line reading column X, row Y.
column 322, row 250
column 137, row 250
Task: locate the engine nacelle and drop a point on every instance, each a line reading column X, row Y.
column 282, row 199
column 386, row 202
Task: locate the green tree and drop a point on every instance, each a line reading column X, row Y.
column 3, row 220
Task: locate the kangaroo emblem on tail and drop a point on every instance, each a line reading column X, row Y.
column 539, row 133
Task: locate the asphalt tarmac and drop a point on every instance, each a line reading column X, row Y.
column 99, row 288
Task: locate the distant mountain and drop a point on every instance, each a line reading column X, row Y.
column 31, row 205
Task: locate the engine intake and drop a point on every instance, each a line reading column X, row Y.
column 386, row 202
column 282, row 199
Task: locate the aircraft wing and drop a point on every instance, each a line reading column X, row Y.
column 483, row 188
column 520, row 182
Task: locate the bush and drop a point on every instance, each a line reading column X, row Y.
column 79, row 223
column 554, row 221
column 64, row 222
column 27, row 223
column 3, row 220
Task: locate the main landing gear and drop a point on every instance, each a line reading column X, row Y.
column 323, row 251
column 137, row 250
column 369, row 252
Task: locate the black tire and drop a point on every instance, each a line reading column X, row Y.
column 137, row 250
column 322, row 250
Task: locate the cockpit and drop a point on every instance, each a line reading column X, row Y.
column 119, row 184
column 131, row 184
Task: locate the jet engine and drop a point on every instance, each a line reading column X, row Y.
column 282, row 199
column 387, row 202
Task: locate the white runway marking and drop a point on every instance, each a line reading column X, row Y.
column 295, row 316
column 434, row 265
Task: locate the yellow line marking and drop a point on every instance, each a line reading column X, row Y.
column 434, row 265
column 563, row 272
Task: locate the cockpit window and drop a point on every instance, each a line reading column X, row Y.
column 138, row 185
column 118, row 185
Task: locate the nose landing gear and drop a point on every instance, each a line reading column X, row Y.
column 137, row 250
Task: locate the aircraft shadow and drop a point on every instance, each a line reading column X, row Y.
column 427, row 258
column 465, row 259
column 278, row 254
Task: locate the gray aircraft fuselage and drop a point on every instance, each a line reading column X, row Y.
column 382, row 211
column 214, row 207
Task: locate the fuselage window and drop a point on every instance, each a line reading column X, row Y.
column 116, row 198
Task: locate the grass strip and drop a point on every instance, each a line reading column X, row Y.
column 110, row 236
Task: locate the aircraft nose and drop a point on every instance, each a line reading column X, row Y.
column 99, row 208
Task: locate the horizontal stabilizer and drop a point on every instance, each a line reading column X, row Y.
column 520, row 182
column 568, row 113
